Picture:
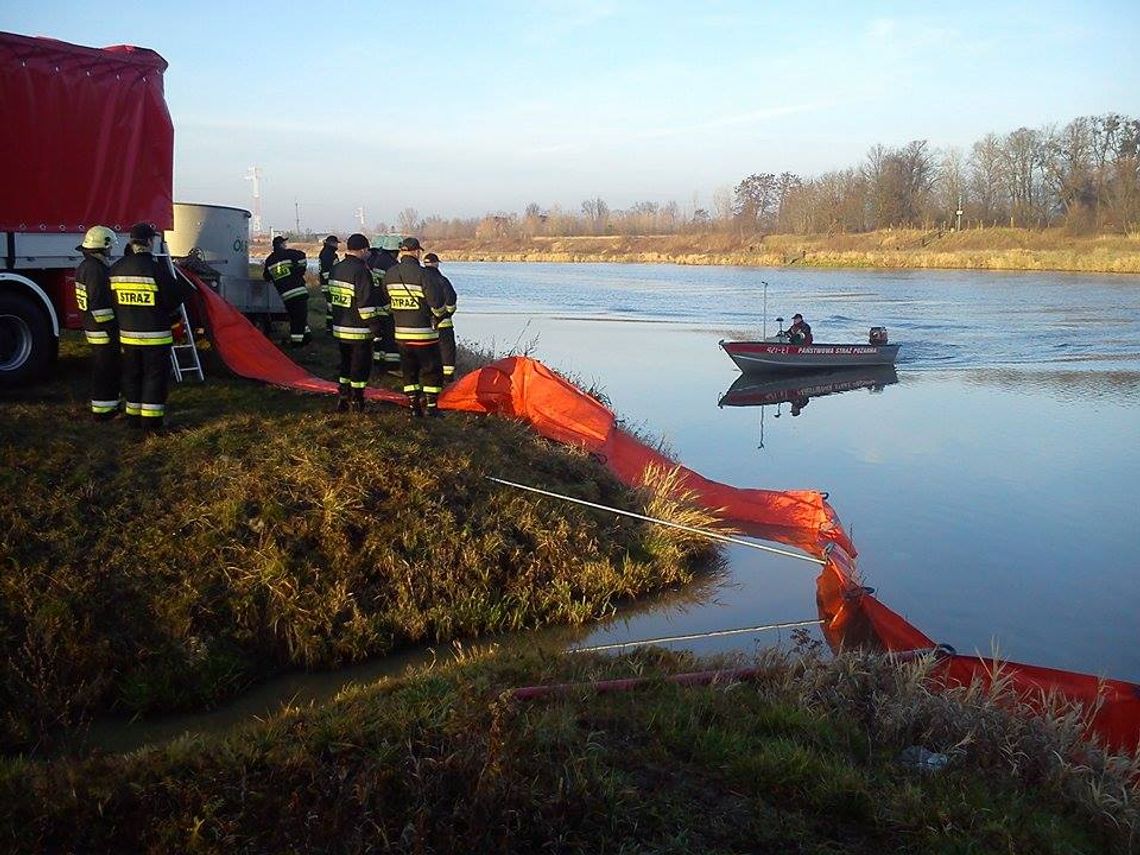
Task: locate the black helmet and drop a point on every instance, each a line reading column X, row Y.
column 277, row 241
column 410, row 244
column 332, row 239
column 143, row 233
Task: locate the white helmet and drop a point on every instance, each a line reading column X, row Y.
column 99, row 237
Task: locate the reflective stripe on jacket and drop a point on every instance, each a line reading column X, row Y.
column 417, row 301
column 146, row 297
column 95, row 299
column 353, row 299
column 449, row 300
column 285, row 268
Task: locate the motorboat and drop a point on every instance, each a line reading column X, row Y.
column 781, row 353
column 797, row 389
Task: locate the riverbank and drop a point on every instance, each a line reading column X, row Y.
column 852, row 755
column 973, row 249
column 264, row 532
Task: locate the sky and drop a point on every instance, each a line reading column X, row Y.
column 457, row 109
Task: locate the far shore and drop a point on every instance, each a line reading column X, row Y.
column 972, row 249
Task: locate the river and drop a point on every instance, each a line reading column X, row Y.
column 991, row 490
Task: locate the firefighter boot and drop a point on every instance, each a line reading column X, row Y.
column 357, row 403
column 417, row 401
column 432, row 406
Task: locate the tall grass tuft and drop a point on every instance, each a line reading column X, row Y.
column 667, row 499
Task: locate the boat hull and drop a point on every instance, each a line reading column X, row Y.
column 761, row 357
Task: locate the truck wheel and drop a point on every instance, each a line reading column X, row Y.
column 27, row 345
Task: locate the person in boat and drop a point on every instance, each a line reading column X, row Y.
column 800, row 331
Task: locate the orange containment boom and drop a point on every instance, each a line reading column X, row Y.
column 522, row 388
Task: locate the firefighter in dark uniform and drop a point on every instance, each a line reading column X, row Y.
column 94, row 298
column 445, row 325
column 381, row 258
column 357, row 305
column 800, row 330
column 417, row 306
column 327, row 259
column 285, row 268
column 147, row 296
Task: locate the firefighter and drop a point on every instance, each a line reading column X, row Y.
column 147, row 296
column 381, row 258
column 445, row 325
column 417, row 305
column 328, row 259
column 800, row 330
column 357, row 305
column 94, row 298
column 285, row 268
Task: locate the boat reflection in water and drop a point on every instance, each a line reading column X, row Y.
column 797, row 389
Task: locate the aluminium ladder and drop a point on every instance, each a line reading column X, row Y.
column 184, row 354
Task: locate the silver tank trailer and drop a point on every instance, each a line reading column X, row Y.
column 222, row 234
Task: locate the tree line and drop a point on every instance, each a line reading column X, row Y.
column 1083, row 176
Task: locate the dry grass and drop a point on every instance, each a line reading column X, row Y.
column 804, row 758
column 268, row 532
column 980, row 249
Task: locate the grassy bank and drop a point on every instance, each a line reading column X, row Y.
column 807, row 757
column 973, row 249
column 265, row 532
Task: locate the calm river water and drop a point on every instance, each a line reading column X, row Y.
column 990, row 485
column 991, row 491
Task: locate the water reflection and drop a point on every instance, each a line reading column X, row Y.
column 799, row 388
column 1064, row 386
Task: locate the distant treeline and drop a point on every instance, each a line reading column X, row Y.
column 1084, row 176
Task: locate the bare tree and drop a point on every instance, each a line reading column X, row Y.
column 1122, row 198
column 833, row 202
column 950, row 190
column 785, row 184
column 755, row 200
column 409, row 221
column 597, row 214
column 722, row 204
column 1022, row 160
column 985, row 181
column 533, row 220
column 1070, row 172
column 899, row 181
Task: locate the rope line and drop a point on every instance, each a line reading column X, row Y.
column 711, row 634
column 712, row 535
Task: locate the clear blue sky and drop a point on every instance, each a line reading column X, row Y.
column 459, row 108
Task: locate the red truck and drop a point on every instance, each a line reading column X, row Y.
column 86, row 140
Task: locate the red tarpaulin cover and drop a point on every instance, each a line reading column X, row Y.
column 86, row 137
column 522, row 388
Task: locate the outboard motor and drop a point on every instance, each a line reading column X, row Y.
column 878, row 335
